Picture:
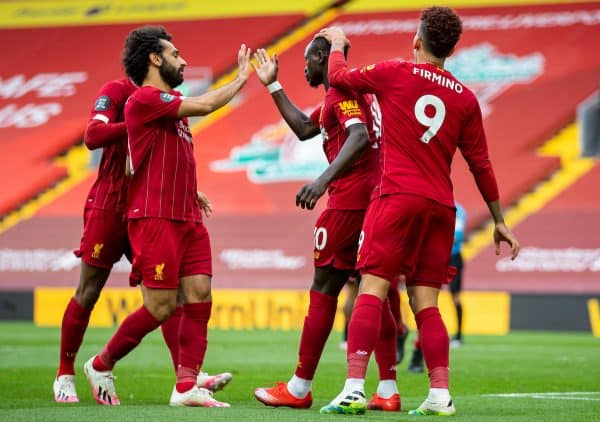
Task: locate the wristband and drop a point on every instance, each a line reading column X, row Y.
column 274, row 87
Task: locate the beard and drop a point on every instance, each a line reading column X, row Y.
column 170, row 74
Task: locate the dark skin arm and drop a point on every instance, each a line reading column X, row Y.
column 501, row 231
column 356, row 142
column 297, row 120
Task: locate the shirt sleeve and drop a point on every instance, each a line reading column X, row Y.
column 473, row 147
column 368, row 79
column 105, row 125
column 153, row 105
column 315, row 116
column 348, row 110
column 109, row 103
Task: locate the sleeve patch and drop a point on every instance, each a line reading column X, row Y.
column 102, row 103
column 167, row 98
column 349, row 108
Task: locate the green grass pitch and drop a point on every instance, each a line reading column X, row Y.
column 518, row 363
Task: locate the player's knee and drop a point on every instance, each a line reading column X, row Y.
column 329, row 281
column 87, row 294
column 161, row 310
column 201, row 293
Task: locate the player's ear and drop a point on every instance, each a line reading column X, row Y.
column 417, row 42
column 322, row 57
column 155, row 59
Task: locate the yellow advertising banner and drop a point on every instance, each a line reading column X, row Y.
column 236, row 309
column 19, row 14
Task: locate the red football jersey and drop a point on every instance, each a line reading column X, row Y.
column 163, row 180
column 109, row 191
column 426, row 115
column 340, row 110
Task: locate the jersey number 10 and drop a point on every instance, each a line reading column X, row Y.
column 433, row 123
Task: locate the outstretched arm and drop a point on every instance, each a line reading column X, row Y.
column 356, row 143
column 266, row 70
column 215, row 99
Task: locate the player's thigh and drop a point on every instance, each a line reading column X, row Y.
column 329, row 280
column 336, row 237
column 197, row 256
column 392, row 235
column 157, row 251
column 104, row 238
column 434, row 255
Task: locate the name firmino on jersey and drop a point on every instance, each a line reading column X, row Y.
column 438, row 79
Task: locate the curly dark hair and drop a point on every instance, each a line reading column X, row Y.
column 440, row 30
column 139, row 44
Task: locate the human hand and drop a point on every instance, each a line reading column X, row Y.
column 205, row 204
column 266, row 69
column 336, row 36
column 503, row 234
column 244, row 63
column 308, row 195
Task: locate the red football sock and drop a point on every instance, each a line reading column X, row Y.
column 363, row 334
column 385, row 350
column 192, row 343
column 74, row 323
column 435, row 344
column 170, row 332
column 316, row 329
column 129, row 334
column 394, row 298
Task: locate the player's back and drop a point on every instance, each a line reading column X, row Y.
column 425, row 116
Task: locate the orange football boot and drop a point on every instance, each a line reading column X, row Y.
column 391, row 404
column 279, row 396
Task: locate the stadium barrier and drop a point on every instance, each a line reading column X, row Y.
column 493, row 313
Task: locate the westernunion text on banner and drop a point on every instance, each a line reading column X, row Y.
column 236, row 309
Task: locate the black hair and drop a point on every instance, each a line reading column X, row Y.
column 440, row 30
column 321, row 44
column 140, row 43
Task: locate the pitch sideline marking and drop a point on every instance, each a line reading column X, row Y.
column 565, row 395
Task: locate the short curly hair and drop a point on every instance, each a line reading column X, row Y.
column 440, row 30
column 140, row 43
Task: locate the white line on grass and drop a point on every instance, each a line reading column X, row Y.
column 566, row 395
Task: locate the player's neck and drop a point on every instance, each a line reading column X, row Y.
column 157, row 83
column 424, row 58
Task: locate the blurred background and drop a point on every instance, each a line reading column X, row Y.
column 534, row 65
